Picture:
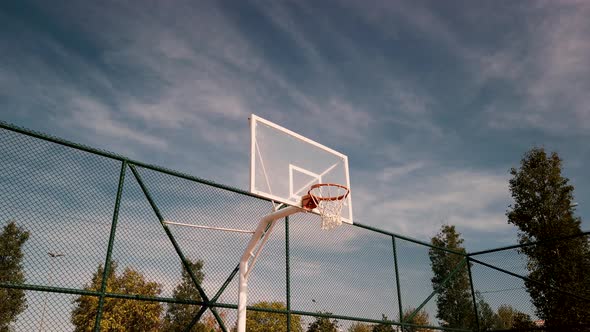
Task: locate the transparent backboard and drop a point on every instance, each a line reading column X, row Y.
column 284, row 165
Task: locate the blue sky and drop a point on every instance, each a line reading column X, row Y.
column 433, row 102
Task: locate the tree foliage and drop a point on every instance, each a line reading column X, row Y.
column 383, row 327
column 505, row 317
column 522, row 321
column 209, row 323
column 510, row 318
column 542, row 210
column 487, row 317
column 258, row 321
column 178, row 315
column 454, row 303
column 360, row 327
column 12, row 301
column 421, row 318
column 119, row 314
column 323, row 324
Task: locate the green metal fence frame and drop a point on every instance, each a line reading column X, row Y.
column 212, row 304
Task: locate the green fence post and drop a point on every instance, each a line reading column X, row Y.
column 213, row 299
column 179, row 252
column 195, row 319
column 399, row 296
column 107, row 264
column 288, row 273
column 226, row 283
column 169, row 234
column 444, row 282
column 218, row 318
column 473, row 294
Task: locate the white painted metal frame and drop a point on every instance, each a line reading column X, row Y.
column 267, row 223
column 254, row 153
column 248, row 260
column 296, row 193
column 208, row 227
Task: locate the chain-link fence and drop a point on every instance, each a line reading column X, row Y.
column 503, row 281
column 85, row 248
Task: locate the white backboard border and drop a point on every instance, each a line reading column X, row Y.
column 254, row 154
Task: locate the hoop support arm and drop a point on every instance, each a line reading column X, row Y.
column 260, row 235
column 209, row 227
column 265, row 238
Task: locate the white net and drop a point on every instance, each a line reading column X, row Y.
column 329, row 199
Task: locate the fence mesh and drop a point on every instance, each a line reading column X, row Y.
column 82, row 214
column 508, row 281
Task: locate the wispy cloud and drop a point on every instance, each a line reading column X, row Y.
column 542, row 62
column 548, row 69
column 410, row 91
column 394, row 173
column 94, row 116
column 175, row 85
column 468, row 199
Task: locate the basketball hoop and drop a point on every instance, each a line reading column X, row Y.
column 329, row 199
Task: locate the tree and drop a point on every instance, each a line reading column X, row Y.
column 12, row 301
column 259, row 321
column 522, row 321
column 209, row 323
column 454, row 303
column 487, row 317
column 179, row 315
column 323, row 324
column 360, row 327
column 383, row 327
column 119, row 314
column 505, row 317
column 421, row 318
column 510, row 318
column 542, row 210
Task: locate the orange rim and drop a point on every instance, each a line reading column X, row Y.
column 329, row 198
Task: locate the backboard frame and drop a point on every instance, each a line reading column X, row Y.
column 255, row 153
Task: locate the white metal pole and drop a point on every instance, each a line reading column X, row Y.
column 242, row 297
column 258, row 235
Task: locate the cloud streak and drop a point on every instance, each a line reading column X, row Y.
column 174, row 85
column 464, row 198
column 549, row 72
